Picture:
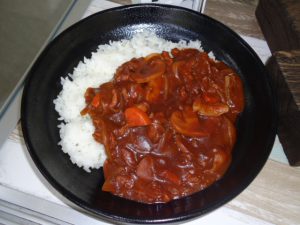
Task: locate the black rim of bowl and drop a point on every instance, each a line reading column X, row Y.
column 114, row 218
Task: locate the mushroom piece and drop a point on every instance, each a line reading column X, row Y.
column 149, row 68
column 187, row 123
column 209, row 109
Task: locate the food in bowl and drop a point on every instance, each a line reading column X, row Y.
column 75, row 130
column 167, row 122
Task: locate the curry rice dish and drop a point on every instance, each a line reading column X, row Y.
column 166, row 120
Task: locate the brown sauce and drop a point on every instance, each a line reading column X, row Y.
column 167, row 122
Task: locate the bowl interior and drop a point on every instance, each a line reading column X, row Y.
column 256, row 125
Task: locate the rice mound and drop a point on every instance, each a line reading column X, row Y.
column 76, row 130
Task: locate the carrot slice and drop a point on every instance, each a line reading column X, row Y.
column 136, row 117
column 96, row 100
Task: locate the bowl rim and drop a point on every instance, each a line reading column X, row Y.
column 106, row 215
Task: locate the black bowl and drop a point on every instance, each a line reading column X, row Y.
column 256, row 126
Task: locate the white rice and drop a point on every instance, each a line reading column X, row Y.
column 75, row 130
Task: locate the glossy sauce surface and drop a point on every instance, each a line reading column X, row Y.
column 167, row 122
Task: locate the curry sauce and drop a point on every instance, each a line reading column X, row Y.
column 167, row 122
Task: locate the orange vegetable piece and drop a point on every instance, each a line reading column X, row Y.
column 96, row 100
column 136, row 117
